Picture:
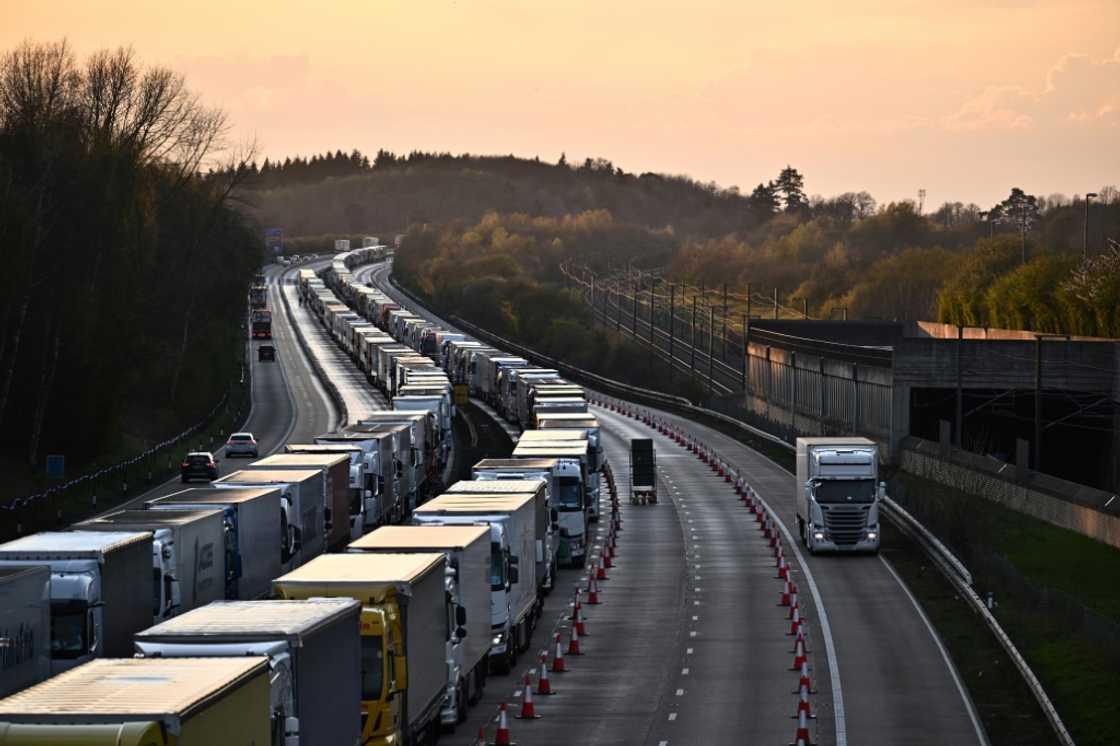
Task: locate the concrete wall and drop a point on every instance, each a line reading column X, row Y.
column 1089, row 512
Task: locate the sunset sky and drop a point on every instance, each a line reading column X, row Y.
column 963, row 99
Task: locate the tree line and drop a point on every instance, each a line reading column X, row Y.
column 125, row 267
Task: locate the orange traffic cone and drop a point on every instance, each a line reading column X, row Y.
column 804, row 680
column 784, row 601
column 803, row 703
column 605, row 557
column 544, row 686
column 592, row 591
column 528, row 712
column 577, row 618
column 600, row 571
column 502, row 738
column 802, row 736
column 799, row 656
column 796, row 623
column 573, row 642
column 481, row 737
column 558, row 659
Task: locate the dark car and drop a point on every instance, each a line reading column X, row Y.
column 198, row 465
column 266, row 353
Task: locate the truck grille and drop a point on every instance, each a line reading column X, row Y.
column 845, row 523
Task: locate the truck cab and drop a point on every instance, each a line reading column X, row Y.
column 839, row 491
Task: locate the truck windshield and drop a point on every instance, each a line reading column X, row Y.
column 69, row 638
column 373, row 667
column 570, row 494
column 844, row 490
column 497, row 568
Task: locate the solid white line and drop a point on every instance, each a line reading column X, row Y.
column 826, row 629
column 980, row 734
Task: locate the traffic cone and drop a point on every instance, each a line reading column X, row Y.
column 793, row 600
column 528, row 711
column 796, row 623
column 558, row 659
column 605, row 557
column 593, row 591
column 801, row 738
column 600, row 571
column 803, row 703
column 573, row 642
column 785, row 594
column 543, row 685
column 783, row 568
column 577, row 618
column 799, row 655
column 804, row 680
column 481, row 737
column 502, row 737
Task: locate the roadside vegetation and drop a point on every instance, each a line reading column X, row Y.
column 126, row 269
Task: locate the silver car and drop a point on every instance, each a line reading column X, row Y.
column 242, row 444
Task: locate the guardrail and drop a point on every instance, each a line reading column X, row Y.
column 951, row 567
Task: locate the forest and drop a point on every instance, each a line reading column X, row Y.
column 125, row 268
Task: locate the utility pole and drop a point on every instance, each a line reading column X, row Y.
column 652, row 306
column 723, row 328
column 634, row 317
column 618, row 305
column 672, row 324
column 1085, row 240
column 805, row 308
column 775, row 304
column 711, row 330
column 746, row 347
column 692, row 345
column 1037, row 402
column 592, row 299
column 959, row 434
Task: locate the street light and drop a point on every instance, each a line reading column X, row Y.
column 1085, row 242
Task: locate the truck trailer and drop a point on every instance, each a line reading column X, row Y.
column 467, row 549
column 188, row 554
column 307, row 643
column 404, row 634
column 98, row 596
column 252, row 522
column 25, row 626
column 302, row 498
column 138, row 702
column 336, row 487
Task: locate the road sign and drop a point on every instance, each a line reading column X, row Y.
column 56, row 467
column 274, row 239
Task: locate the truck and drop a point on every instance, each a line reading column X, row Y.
column 414, row 449
column 261, row 323
column 258, row 295
column 467, row 549
column 514, row 603
column 301, row 499
column 643, row 472
column 572, row 499
column 97, row 589
column 383, row 477
column 341, row 244
column 25, row 626
column 531, row 441
column 144, row 702
column 404, row 634
column 336, row 487
column 546, row 547
column 307, row 643
column 251, row 519
column 358, row 482
column 839, row 492
column 188, row 554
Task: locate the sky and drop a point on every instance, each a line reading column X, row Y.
column 962, row 99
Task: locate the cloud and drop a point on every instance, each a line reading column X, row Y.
column 1078, row 90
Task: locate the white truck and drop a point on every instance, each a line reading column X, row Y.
column 336, row 487
column 308, row 645
column 357, row 482
column 467, row 549
column 376, row 469
column 546, row 547
column 415, row 450
column 514, row 604
column 252, row 521
column 302, row 498
column 25, row 626
column 839, row 492
column 573, row 499
column 188, row 554
column 98, row 596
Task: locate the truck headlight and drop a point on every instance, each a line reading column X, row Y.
column 872, row 535
column 498, row 639
column 818, row 535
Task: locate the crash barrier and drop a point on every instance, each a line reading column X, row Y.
column 953, row 570
column 116, row 477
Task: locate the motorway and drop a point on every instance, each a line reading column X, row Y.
column 289, row 405
column 690, row 646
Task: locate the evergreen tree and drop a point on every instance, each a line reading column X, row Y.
column 764, row 199
column 791, row 185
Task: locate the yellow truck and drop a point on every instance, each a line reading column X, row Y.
column 144, row 702
column 405, row 630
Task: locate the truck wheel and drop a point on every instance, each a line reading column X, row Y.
column 461, row 706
